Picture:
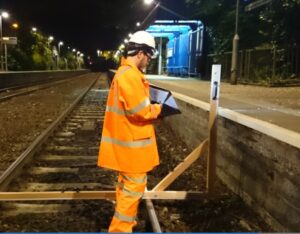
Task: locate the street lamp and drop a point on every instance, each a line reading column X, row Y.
column 235, row 44
column 158, row 4
column 58, row 55
column 148, row 2
column 51, row 38
column 34, row 29
column 4, row 15
column 61, row 43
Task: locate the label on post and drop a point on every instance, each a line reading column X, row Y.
column 215, row 82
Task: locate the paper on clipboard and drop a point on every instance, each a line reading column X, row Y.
column 164, row 96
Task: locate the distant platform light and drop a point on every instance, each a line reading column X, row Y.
column 15, row 25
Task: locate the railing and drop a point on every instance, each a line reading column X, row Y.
column 268, row 66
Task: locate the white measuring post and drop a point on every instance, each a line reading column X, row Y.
column 212, row 126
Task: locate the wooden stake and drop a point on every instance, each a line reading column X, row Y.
column 192, row 157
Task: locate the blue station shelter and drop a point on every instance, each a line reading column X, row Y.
column 184, row 46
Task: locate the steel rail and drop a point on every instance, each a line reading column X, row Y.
column 46, row 81
column 34, row 87
column 17, row 165
column 152, row 216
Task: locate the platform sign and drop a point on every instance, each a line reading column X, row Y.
column 9, row 40
column 170, row 52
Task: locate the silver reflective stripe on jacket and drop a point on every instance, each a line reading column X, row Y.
column 139, row 107
column 129, row 144
column 136, row 109
column 124, row 217
column 138, row 180
column 132, row 193
column 115, row 110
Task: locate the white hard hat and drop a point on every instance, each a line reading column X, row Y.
column 144, row 39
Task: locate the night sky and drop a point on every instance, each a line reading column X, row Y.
column 87, row 25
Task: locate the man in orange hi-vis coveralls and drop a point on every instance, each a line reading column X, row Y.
column 128, row 143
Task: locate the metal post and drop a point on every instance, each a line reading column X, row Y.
column 274, row 62
column 58, row 56
column 5, row 56
column 1, row 47
column 190, row 52
column 235, row 44
column 160, row 56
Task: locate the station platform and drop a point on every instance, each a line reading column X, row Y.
column 279, row 106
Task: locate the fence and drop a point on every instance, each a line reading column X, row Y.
column 260, row 65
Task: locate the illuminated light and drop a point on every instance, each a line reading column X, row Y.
column 51, row 38
column 61, row 43
column 148, row 2
column 4, row 14
column 15, row 25
column 34, row 29
column 126, row 40
column 138, row 24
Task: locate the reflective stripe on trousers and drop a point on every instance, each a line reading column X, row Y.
column 129, row 190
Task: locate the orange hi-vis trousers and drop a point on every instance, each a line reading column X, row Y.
column 129, row 191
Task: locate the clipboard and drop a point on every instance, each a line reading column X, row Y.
column 164, row 97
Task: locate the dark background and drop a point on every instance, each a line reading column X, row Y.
column 87, row 25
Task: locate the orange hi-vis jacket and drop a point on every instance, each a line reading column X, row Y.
column 128, row 142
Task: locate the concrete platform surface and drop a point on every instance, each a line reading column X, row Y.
column 280, row 106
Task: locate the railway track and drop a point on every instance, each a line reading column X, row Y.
column 63, row 158
column 10, row 92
